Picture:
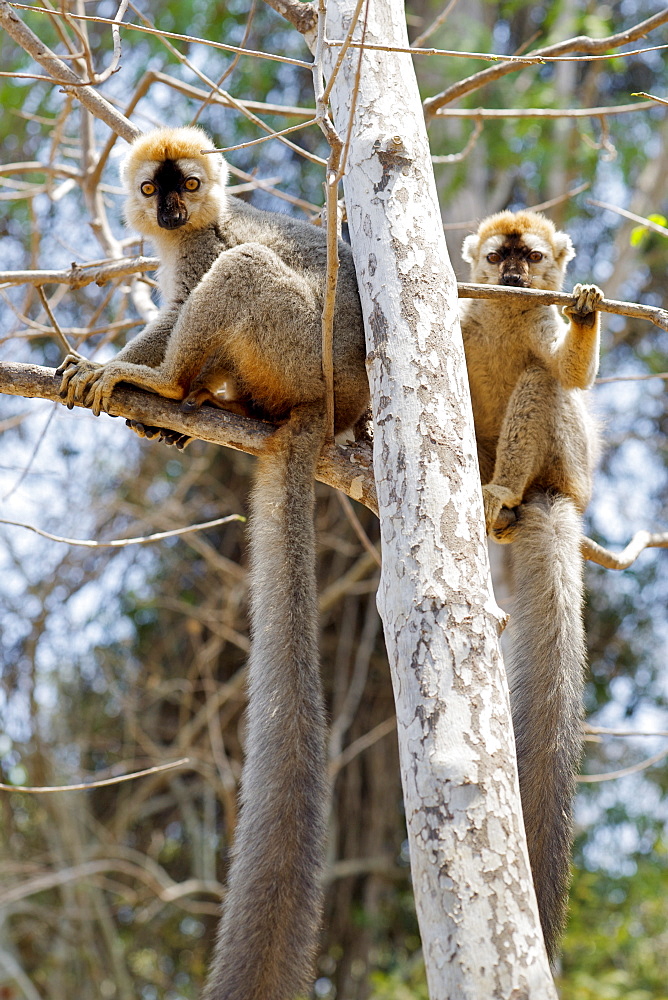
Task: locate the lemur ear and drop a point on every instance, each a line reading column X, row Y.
column 563, row 248
column 469, row 247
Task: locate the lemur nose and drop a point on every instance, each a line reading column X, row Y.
column 511, row 279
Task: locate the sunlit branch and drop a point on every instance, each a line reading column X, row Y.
column 492, row 113
column 347, row 469
column 62, row 74
column 540, row 297
column 79, row 275
column 622, row 560
column 592, row 46
column 624, row 771
column 641, row 220
column 122, row 543
column 191, row 39
column 85, row 785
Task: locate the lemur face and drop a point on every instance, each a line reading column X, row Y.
column 171, row 183
column 521, row 249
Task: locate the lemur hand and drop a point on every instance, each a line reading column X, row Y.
column 585, row 300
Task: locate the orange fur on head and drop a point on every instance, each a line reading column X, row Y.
column 184, row 146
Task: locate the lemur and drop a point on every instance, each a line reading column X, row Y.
column 537, row 445
column 243, row 297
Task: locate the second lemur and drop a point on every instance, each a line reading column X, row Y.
column 537, row 445
column 243, row 296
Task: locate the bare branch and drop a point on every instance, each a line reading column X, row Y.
column 492, row 113
column 622, row 772
column 539, row 297
column 622, row 560
column 648, row 223
column 582, row 42
column 79, row 275
column 63, row 75
column 122, row 543
column 657, row 100
column 347, row 469
column 435, row 24
column 150, row 30
column 85, row 785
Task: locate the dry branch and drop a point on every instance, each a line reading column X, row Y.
column 583, row 43
column 347, row 469
column 63, row 75
column 79, row 275
column 545, row 298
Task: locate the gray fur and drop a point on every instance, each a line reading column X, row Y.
column 243, row 296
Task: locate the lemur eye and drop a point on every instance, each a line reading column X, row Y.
column 535, row 256
column 148, row 188
column 191, row 184
column 494, row 257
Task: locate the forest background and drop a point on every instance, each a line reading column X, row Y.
column 115, row 659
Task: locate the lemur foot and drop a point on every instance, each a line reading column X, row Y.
column 585, row 300
column 77, row 373
column 164, row 434
column 494, row 498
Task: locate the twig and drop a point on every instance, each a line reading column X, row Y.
column 584, row 42
column 651, row 97
column 79, row 275
column 85, row 785
column 492, row 113
column 349, row 511
column 190, row 39
column 662, row 230
column 61, row 73
column 642, row 540
column 301, row 16
column 435, row 24
column 121, row 543
column 458, row 157
column 622, row 772
column 60, row 336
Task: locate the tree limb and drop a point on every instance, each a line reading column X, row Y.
column 347, row 469
column 62, row 74
column 584, row 43
column 537, row 296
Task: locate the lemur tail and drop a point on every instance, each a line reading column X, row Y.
column 546, row 678
column 268, row 933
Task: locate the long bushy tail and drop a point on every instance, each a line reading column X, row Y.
column 546, row 677
column 271, row 914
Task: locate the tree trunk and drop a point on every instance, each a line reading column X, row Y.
column 474, row 895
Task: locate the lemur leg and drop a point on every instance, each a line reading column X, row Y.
column 524, row 442
column 225, row 333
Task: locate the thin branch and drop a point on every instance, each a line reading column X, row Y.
column 516, row 61
column 347, row 469
column 545, row 298
column 583, row 42
column 647, row 223
column 85, row 785
column 221, row 98
column 458, row 157
column 356, row 524
column 60, row 336
column 642, row 540
column 605, row 731
column 435, row 24
column 190, row 39
column 79, row 275
column 492, row 113
column 62, row 74
column 122, row 543
column 622, row 772
column 541, row 207
column 651, row 97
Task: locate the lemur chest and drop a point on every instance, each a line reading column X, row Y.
column 494, row 366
